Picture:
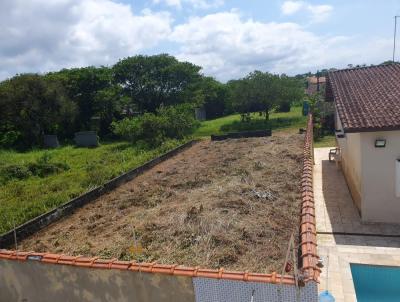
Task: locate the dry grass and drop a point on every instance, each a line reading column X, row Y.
column 230, row 204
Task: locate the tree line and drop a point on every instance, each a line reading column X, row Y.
column 134, row 93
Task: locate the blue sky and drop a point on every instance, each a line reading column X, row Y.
column 227, row 38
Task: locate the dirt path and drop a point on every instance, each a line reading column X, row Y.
column 230, row 204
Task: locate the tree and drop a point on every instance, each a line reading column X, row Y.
column 108, row 106
column 150, row 81
column 256, row 92
column 241, row 96
column 214, row 97
column 290, row 91
column 31, row 106
column 82, row 86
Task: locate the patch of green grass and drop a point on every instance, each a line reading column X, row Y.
column 326, row 141
column 24, row 199
column 232, row 123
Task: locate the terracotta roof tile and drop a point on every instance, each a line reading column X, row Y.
column 308, row 238
column 368, row 98
column 143, row 267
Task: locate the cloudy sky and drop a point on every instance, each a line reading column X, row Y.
column 228, row 38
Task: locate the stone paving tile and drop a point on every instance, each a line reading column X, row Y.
column 335, row 212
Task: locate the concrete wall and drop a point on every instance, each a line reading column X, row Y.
column 380, row 203
column 31, row 281
column 351, row 158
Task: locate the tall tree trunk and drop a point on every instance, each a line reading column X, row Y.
column 266, row 114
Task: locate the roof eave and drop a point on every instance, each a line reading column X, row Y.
column 371, row 129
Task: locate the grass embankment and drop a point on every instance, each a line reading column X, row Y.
column 278, row 121
column 25, row 194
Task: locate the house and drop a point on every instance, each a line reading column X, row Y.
column 315, row 84
column 367, row 121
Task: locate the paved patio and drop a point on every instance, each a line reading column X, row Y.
column 342, row 237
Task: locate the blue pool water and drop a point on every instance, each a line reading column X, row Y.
column 374, row 283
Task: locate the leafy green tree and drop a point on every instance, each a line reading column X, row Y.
column 216, row 97
column 108, row 105
column 31, row 106
column 256, row 92
column 263, row 91
column 291, row 90
column 150, row 81
column 241, row 97
column 82, row 86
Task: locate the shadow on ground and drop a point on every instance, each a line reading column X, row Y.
column 344, row 217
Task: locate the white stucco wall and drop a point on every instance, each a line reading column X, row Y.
column 379, row 201
column 350, row 148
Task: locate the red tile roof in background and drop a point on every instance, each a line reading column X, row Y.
column 308, row 244
column 315, row 80
column 367, row 98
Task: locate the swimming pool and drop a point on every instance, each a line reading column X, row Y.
column 375, row 283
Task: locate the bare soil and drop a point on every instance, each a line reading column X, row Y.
column 231, row 204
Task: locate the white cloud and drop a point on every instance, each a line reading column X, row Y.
column 44, row 35
column 175, row 3
column 291, row 7
column 228, row 46
column 318, row 13
column 197, row 4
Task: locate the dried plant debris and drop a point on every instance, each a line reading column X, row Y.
column 231, row 204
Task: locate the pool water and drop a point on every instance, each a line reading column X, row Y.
column 376, row 283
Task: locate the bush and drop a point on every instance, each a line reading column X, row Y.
column 10, row 172
column 169, row 122
column 42, row 168
column 9, row 139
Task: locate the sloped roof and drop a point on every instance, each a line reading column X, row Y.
column 367, row 99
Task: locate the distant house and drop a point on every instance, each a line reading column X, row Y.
column 315, row 84
column 367, row 121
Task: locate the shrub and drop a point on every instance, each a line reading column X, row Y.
column 10, row 172
column 45, row 169
column 168, row 122
column 42, row 168
column 9, row 139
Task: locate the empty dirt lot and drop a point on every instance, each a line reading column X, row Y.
column 230, row 204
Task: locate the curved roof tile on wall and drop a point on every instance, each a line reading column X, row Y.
column 367, row 98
